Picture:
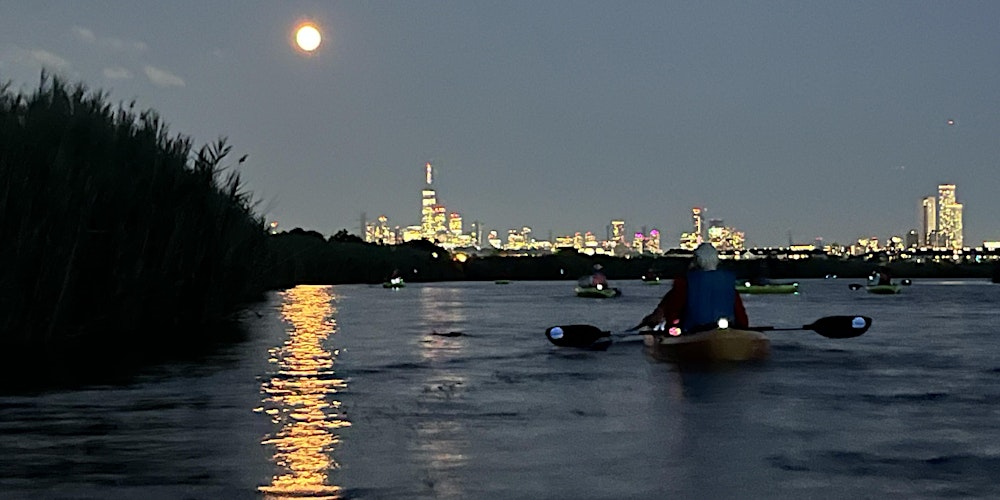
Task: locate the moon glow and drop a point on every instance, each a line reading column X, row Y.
column 307, row 37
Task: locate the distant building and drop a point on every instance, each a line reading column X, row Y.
column 380, row 232
column 618, row 232
column 726, row 239
column 691, row 240
column 928, row 221
column 653, row 242
column 455, row 223
column 428, row 200
column 949, row 218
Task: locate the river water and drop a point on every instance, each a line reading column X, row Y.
column 347, row 392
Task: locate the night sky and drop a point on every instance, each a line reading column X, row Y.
column 801, row 118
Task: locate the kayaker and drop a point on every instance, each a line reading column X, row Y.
column 598, row 277
column 395, row 278
column 699, row 298
column 880, row 276
column 762, row 276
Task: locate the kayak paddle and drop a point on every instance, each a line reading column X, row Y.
column 832, row 327
column 575, row 335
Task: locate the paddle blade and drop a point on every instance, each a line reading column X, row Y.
column 840, row 327
column 574, row 335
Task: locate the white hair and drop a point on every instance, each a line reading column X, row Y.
column 706, row 256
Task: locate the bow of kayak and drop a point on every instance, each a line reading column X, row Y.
column 715, row 345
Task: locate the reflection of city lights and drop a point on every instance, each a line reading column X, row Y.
column 297, row 398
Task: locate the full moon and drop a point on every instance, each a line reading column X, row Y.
column 307, row 37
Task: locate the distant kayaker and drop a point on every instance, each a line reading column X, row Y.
column 395, row 278
column 880, row 276
column 762, row 275
column 699, row 298
column 598, row 277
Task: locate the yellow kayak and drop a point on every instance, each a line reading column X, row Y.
column 720, row 344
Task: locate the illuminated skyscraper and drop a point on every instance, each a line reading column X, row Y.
column 696, row 221
column 638, row 242
column 455, row 223
column 949, row 217
column 380, row 232
column 689, row 241
column 433, row 216
column 653, row 241
column 618, row 232
column 928, row 222
column 724, row 238
column 428, row 200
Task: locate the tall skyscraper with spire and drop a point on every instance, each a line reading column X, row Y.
column 428, row 201
column 433, row 215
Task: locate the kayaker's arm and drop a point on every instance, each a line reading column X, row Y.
column 740, row 312
column 671, row 306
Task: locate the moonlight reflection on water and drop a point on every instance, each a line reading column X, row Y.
column 298, row 397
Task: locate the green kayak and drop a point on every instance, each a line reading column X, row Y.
column 883, row 289
column 394, row 283
column 597, row 292
column 746, row 287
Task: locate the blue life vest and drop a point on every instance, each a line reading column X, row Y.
column 710, row 295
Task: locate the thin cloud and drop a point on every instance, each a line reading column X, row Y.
column 117, row 73
column 18, row 58
column 163, row 78
column 114, row 44
column 47, row 59
column 84, row 34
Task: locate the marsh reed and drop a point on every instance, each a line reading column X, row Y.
column 114, row 233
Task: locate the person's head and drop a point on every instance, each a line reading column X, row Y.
column 706, row 257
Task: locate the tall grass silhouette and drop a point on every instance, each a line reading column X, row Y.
column 113, row 232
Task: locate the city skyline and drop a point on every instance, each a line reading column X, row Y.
column 781, row 118
column 939, row 224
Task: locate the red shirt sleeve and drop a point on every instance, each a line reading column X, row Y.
column 672, row 304
column 742, row 321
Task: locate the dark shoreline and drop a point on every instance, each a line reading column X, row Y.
column 305, row 257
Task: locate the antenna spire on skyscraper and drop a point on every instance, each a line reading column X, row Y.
column 428, row 167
